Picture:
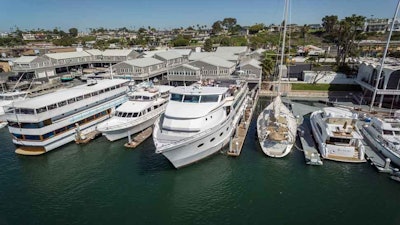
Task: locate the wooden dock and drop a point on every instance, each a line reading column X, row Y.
column 237, row 141
column 139, row 138
column 86, row 138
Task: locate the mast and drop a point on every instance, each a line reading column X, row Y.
column 378, row 78
column 283, row 46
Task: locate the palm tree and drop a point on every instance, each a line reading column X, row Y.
column 267, row 65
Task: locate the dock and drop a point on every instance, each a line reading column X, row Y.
column 237, row 141
column 139, row 138
column 311, row 154
column 86, row 138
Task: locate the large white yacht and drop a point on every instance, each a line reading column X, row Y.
column 276, row 129
column 199, row 121
column 337, row 135
column 144, row 106
column 384, row 136
column 44, row 123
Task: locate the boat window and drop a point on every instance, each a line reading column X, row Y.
column 176, row 97
column 17, row 136
column 212, row 139
column 79, row 98
column 143, row 112
column 113, row 87
column 95, row 93
column 209, row 98
column 221, row 134
column 396, row 132
column 70, row 101
column 387, row 132
column 101, row 91
column 60, row 104
column 146, row 98
column 107, row 89
column 156, row 106
column 191, row 98
column 135, row 114
column 339, row 140
column 32, row 137
column 200, row 145
column 129, row 115
column 27, row 111
column 52, row 106
column 124, row 114
column 149, row 110
column 87, row 96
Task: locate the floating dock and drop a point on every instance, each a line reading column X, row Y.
column 139, row 138
column 86, row 138
column 237, row 141
column 311, row 154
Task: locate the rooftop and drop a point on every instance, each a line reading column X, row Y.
column 67, row 55
column 168, row 55
column 252, row 62
column 217, row 61
column 117, row 52
column 199, row 90
column 232, row 49
column 143, row 62
column 25, row 59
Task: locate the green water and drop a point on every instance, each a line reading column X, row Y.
column 104, row 183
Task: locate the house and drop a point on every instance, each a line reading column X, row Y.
column 141, row 67
column 250, row 68
column 171, row 58
column 118, row 55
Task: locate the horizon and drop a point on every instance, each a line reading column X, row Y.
column 50, row 14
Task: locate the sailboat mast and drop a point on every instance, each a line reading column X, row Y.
column 283, row 46
column 378, row 78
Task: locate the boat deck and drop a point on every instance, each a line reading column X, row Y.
column 236, row 143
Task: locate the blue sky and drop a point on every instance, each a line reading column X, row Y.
column 83, row 14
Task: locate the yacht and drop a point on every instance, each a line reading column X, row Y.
column 337, row 135
column 199, row 121
column 384, row 136
column 276, row 129
column 144, row 106
column 276, row 125
column 46, row 122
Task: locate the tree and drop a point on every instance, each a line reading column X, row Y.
column 254, row 29
column 228, row 22
column 304, row 31
column 217, row 27
column 180, row 41
column 142, row 30
column 329, row 23
column 225, row 41
column 267, row 65
column 208, row 45
column 73, row 32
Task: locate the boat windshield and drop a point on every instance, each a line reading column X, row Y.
column 387, row 132
column 176, row 97
column 396, row 132
column 336, row 140
column 141, row 98
column 209, row 98
column 191, row 98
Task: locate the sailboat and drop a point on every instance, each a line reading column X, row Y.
column 276, row 125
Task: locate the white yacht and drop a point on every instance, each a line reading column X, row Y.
column 384, row 136
column 7, row 98
column 46, row 122
column 144, row 106
column 337, row 135
column 199, row 121
column 276, row 129
column 276, row 125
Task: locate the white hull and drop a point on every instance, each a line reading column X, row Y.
column 191, row 152
column 270, row 147
column 123, row 133
column 395, row 158
column 3, row 124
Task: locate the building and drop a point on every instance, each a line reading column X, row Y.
column 389, row 84
column 250, row 69
column 119, row 55
column 171, row 58
column 141, row 68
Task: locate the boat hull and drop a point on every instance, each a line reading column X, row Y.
column 123, row 133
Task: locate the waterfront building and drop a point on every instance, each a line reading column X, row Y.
column 141, row 69
column 389, row 85
column 171, row 58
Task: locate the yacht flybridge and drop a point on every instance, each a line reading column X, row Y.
column 144, row 106
column 44, row 123
column 337, row 135
column 199, row 121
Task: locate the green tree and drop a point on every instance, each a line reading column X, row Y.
column 142, row 30
column 229, row 22
column 73, row 31
column 217, row 27
column 208, row 45
column 180, row 41
column 329, row 23
column 267, row 65
column 225, row 41
column 254, row 29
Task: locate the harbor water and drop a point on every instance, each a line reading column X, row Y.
column 105, row 183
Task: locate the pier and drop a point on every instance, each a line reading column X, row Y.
column 311, row 154
column 237, row 141
column 86, row 138
column 139, row 138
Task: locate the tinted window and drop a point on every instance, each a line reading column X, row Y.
column 176, row 97
column 191, row 98
column 209, row 98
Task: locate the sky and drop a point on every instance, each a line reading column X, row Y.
column 166, row 14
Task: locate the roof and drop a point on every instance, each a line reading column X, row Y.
column 185, row 51
column 117, row 52
column 336, row 112
column 143, row 62
column 217, row 61
column 232, row 49
column 199, row 90
column 25, row 59
column 190, row 67
column 134, row 106
column 168, row 55
column 94, row 52
column 199, row 55
column 65, row 94
column 67, row 55
column 252, row 62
